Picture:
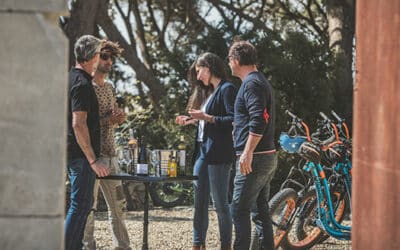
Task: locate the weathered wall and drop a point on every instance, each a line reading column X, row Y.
column 376, row 193
column 33, row 82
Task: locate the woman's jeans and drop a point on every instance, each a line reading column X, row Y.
column 214, row 178
column 250, row 195
column 116, row 204
column 82, row 179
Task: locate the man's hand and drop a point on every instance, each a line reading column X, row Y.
column 117, row 116
column 246, row 158
column 245, row 161
column 100, row 169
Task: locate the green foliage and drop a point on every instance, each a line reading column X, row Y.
column 299, row 67
column 298, row 70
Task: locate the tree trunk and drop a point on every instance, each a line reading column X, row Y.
column 143, row 73
column 81, row 23
column 341, row 23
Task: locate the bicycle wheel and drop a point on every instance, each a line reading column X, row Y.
column 304, row 232
column 168, row 194
column 281, row 208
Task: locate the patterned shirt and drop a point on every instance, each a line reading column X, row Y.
column 107, row 101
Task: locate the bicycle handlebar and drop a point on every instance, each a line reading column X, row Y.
column 329, row 128
column 337, row 117
column 324, row 117
column 343, row 125
column 292, row 115
column 297, row 122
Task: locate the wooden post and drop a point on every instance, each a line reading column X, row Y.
column 376, row 145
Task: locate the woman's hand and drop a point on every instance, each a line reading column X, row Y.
column 185, row 120
column 197, row 114
column 200, row 115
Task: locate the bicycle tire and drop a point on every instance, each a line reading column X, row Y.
column 168, row 194
column 304, row 233
column 281, row 207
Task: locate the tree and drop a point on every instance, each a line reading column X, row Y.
column 305, row 49
column 146, row 43
column 341, row 28
column 155, row 48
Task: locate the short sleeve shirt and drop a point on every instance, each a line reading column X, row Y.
column 107, row 101
column 82, row 97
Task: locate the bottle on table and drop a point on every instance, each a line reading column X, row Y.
column 142, row 168
column 133, row 148
column 164, row 162
column 169, row 163
column 173, row 167
column 182, row 156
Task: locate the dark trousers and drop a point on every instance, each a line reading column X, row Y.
column 82, row 179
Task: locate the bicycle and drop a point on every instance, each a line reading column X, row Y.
column 296, row 208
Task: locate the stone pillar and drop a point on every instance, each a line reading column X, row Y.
column 33, row 81
column 376, row 144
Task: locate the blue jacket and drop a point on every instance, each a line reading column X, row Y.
column 217, row 137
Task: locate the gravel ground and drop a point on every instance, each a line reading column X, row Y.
column 172, row 229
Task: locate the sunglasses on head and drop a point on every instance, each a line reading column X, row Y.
column 106, row 56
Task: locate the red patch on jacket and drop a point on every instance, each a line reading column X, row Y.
column 266, row 115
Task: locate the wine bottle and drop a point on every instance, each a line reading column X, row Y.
column 142, row 168
column 135, row 146
column 173, row 168
column 169, row 164
column 132, row 144
column 182, row 156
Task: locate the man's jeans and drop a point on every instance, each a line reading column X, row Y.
column 250, row 194
column 116, row 204
column 82, row 179
column 214, row 178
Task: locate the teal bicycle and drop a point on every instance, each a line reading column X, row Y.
column 314, row 197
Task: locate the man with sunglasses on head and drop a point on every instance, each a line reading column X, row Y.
column 83, row 139
column 110, row 116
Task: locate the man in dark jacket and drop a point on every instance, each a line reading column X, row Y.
column 254, row 146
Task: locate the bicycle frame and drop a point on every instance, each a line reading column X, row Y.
column 344, row 168
column 323, row 194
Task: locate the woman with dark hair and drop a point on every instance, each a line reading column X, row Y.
column 211, row 108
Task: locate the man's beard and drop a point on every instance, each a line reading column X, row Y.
column 104, row 69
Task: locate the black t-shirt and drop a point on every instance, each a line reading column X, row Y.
column 82, row 97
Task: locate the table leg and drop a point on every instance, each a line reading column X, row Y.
column 145, row 216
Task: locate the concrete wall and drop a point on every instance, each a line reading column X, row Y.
column 33, row 82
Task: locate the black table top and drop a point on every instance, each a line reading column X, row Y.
column 139, row 178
